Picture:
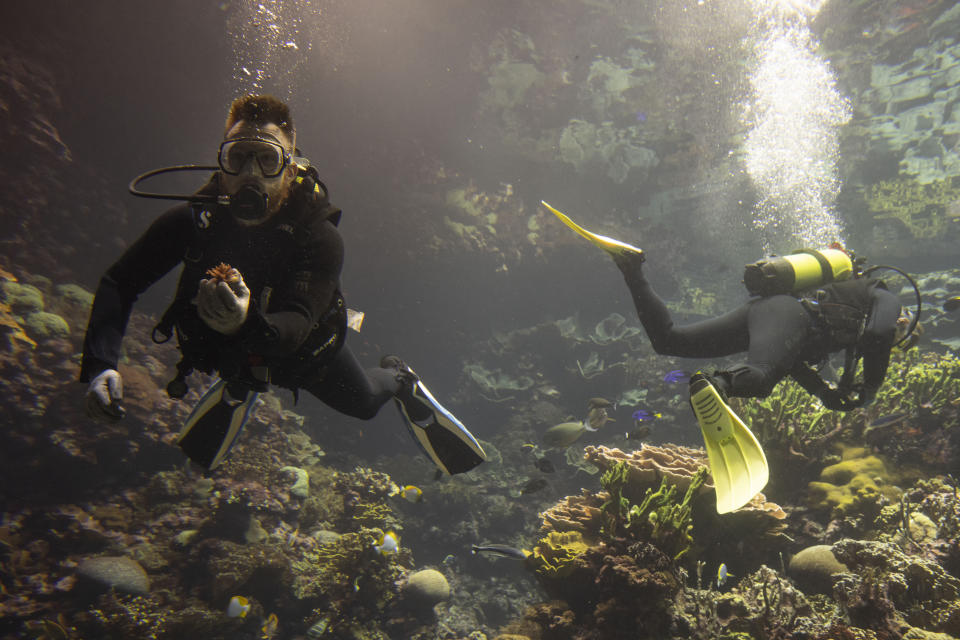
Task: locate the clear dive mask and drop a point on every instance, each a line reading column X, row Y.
column 269, row 156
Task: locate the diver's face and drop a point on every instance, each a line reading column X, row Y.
column 255, row 167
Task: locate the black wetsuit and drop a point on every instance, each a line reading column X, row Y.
column 296, row 322
column 781, row 334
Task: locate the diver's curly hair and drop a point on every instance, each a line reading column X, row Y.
column 261, row 110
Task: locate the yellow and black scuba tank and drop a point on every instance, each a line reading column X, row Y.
column 796, row 272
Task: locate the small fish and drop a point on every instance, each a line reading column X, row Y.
column 238, row 607
column 952, row 304
column 290, row 45
column 883, row 421
column 354, row 319
column 722, row 575
column 269, row 628
column 411, row 493
column 388, row 543
column 449, row 560
column 356, row 584
column 596, row 418
column 641, row 116
column 564, row 434
column 500, row 550
column 544, row 465
column 642, row 431
column 642, row 415
column 677, row 375
column 534, row 485
column 318, row 629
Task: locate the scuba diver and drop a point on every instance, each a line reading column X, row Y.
column 258, row 300
column 805, row 307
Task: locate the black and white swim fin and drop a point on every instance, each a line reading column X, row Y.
column 215, row 424
column 441, row 436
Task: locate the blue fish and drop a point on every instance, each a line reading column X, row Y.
column 677, row 375
column 641, row 116
column 883, row 421
column 641, row 415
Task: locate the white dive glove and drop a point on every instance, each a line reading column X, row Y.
column 223, row 306
column 104, row 397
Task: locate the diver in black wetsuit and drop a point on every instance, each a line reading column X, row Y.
column 272, row 314
column 831, row 308
column 782, row 335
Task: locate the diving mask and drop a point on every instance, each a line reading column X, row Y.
column 269, row 156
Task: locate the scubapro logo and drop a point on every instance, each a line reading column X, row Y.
column 203, row 219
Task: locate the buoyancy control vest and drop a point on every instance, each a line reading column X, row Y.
column 202, row 350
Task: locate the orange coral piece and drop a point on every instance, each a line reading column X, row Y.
column 224, row 273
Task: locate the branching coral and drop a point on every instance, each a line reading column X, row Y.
column 788, row 417
column 916, row 381
column 666, row 520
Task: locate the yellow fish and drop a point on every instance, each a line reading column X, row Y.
column 388, row 544
column 238, row 607
column 269, row 628
column 411, row 493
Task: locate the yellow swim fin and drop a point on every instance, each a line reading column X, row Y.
column 737, row 463
column 611, row 245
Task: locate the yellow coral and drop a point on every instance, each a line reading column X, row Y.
column 554, row 555
column 856, row 480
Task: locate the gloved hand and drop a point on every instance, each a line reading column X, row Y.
column 223, row 307
column 104, row 396
column 865, row 395
column 837, row 400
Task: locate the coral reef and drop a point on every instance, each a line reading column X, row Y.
column 647, row 466
column 856, row 484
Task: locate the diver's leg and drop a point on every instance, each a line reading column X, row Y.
column 348, row 388
column 721, row 336
column 779, row 329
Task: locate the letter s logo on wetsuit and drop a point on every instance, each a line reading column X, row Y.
column 203, row 219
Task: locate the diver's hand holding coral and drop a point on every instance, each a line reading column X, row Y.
column 104, row 397
column 223, row 305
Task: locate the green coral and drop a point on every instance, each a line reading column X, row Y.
column 40, row 325
column 554, row 555
column 918, row 380
column 922, row 208
column 663, row 518
column 786, row 416
column 21, row 298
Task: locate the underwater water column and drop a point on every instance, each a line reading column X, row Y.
column 271, row 42
column 793, row 118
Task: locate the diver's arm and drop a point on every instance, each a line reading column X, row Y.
column 297, row 306
column 877, row 340
column 156, row 252
column 809, row 379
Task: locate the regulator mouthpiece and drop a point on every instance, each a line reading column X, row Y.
column 249, row 203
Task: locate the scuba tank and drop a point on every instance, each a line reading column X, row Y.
column 795, row 272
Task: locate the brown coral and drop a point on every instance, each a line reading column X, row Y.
column 574, row 513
